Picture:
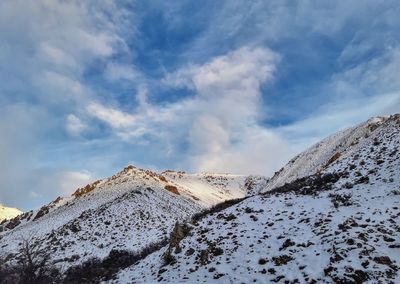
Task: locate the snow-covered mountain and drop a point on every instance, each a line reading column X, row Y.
column 8, row 213
column 331, row 215
column 130, row 210
column 339, row 224
column 325, row 152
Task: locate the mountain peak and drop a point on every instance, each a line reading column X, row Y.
column 334, row 147
column 8, row 212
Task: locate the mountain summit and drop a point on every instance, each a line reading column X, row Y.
column 8, row 213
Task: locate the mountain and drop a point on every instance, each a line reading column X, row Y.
column 336, row 219
column 325, row 152
column 129, row 210
column 331, row 215
column 8, row 213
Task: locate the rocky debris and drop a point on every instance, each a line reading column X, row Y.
column 282, row 259
column 206, row 255
column 287, row 243
column 262, row 261
column 341, row 199
column 189, row 252
column 228, row 218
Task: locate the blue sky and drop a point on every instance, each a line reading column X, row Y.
column 228, row 86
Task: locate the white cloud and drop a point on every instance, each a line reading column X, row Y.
column 121, row 72
column 69, row 181
column 258, row 151
column 380, row 74
column 56, row 55
column 219, row 123
column 60, row 183
column 114, row 117
column 74, row 125
column 46, row 48
column 222, row 134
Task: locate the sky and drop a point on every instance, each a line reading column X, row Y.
column 88, row 87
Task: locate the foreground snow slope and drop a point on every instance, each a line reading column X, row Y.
column 130, row 210
column 320, row 155
column 8, row 213
column 340, row 225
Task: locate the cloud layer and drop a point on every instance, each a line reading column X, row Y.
column 223, row 129
column 88, row 87
column 45, row 50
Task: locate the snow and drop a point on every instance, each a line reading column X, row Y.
column 339, row 223
column 316, row 157
column 8, row 212
column 209, row 188
column 127, row 211
column 301, row 238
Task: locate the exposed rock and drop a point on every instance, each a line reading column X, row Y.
column 282, row 259
column 179, row 232
column 383, row 260
column 172, row 188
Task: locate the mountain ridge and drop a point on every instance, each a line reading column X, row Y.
column 330, row 215
column 131, row 209
column 326, row 151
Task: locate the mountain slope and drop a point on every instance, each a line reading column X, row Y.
column 340, row 224
column 8, row 213
column 128, row 211
column 334, row 147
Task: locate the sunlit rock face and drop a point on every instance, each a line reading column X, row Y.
column 8, row 213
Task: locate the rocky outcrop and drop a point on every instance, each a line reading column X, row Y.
column 179, row 232
column 172, row 188
column 84, row 190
